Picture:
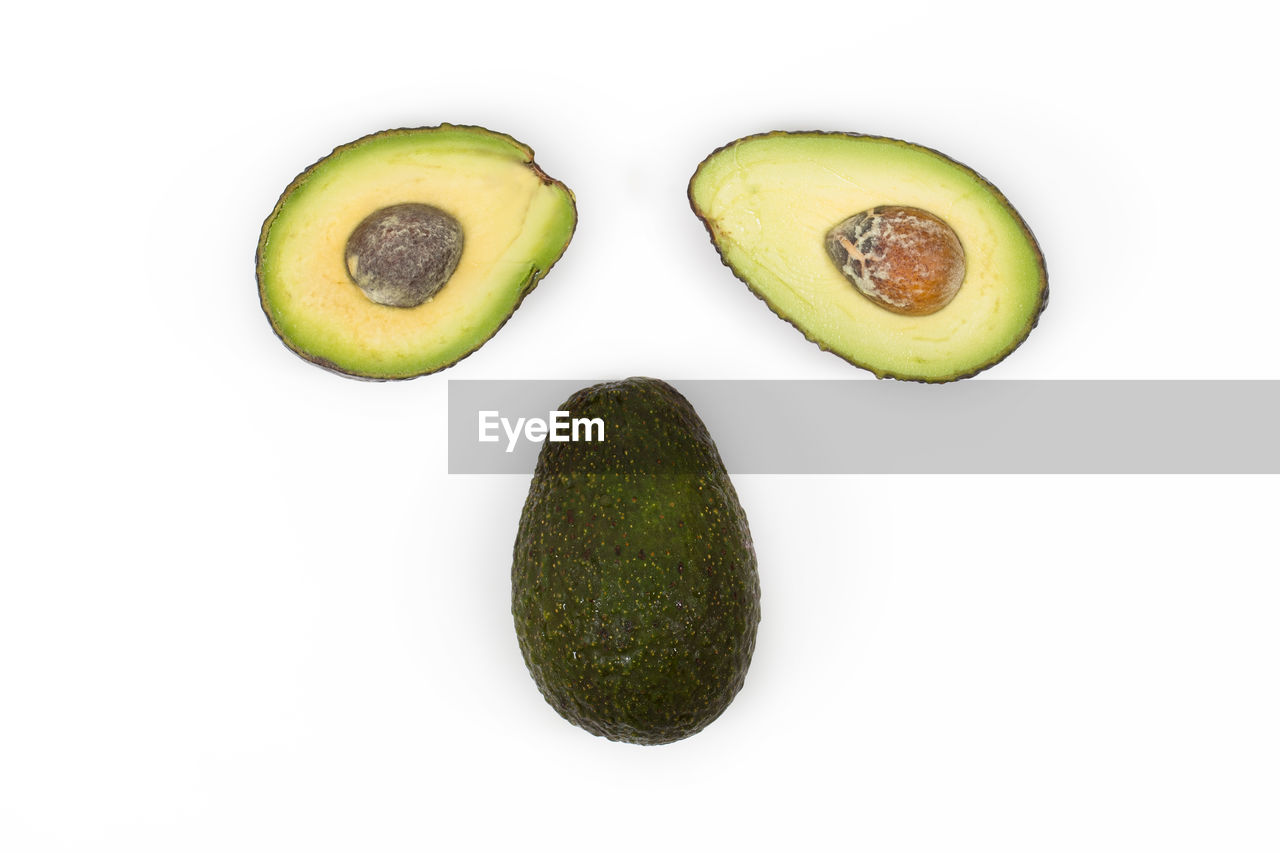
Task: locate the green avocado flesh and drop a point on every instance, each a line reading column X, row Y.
column 634, row 584
column 769, row 201
column 515, row 223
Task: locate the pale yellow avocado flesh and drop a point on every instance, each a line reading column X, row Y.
column 516, row 223
column 769, row 201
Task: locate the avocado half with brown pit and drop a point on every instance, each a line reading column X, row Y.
column 893, row 256
column 403, row 252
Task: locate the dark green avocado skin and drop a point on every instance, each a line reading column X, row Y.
column 634, row 585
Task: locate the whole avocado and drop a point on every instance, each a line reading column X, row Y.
column 634, row 585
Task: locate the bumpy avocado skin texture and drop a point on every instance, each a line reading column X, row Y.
column 340, row 342
column 634, row 585
column 1035, row 297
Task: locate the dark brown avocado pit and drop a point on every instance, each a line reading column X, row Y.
column 403, row 254
column 902, row 258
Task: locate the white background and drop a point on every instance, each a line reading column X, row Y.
column 244, row 607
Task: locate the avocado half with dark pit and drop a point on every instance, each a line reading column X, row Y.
column 404, row 251
column 891, row 255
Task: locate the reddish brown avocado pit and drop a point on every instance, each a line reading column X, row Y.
column 401, row 255
column 904, row 259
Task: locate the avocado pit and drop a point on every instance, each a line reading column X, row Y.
column 904, row 259
column 403, row 254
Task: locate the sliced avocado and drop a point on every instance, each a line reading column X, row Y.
column 402, row 252
column 838, row 234
column 634, row 585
